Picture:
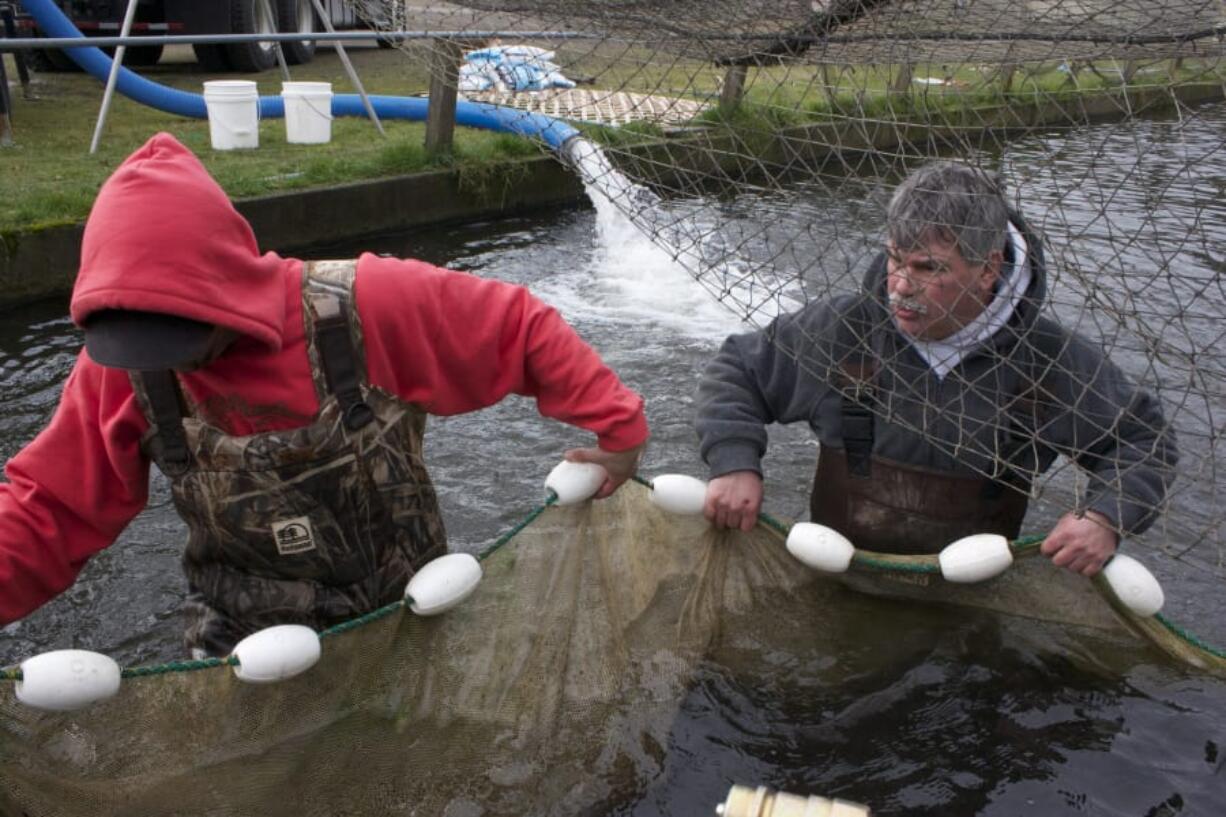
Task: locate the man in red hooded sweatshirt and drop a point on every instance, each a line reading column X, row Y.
column 285, row 400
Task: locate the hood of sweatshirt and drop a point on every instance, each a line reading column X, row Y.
column 163, row 237
column 1024, row 314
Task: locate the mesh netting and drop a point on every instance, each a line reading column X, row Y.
column 758, row 145
column 550, row 691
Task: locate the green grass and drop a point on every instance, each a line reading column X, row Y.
column 779, row 98
column 48, row 177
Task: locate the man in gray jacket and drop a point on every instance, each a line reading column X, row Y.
column 938, row 393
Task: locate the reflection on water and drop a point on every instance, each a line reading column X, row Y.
column 937, row 712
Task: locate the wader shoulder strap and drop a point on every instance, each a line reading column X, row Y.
column 161, row 388
column 856, row 374
column 334, row 339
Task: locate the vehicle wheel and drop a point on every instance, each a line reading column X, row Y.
column 143, row 55
column 248, row 17
column 212, row 58
column 297, row 17
column 138, row 55
column 50, row 61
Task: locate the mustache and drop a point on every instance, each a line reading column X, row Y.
column 909, row 304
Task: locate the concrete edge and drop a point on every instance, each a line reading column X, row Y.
column 40, row 264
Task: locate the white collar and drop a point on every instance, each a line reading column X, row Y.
column 943, row 355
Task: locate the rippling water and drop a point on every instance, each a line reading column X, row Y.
column 929, row 712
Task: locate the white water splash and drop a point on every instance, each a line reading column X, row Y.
column 655, row 281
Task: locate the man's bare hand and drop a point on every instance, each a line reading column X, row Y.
column 619, row 465
column 1083, row 544
column 734, row 500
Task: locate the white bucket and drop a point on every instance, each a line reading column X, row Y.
column 308, row 112
column 234, row 113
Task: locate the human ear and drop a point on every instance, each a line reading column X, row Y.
column 991, row 270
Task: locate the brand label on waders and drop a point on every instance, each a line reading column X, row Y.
column 293, row 535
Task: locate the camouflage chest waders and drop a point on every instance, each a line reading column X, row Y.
column 312, row 525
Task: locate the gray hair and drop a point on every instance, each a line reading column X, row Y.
column 953, row 203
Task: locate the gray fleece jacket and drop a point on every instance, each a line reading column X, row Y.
column 1028, row 393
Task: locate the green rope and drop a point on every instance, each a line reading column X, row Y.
column 890, row 566
column 773, row 523
column 1189, row 637
column 513, row 532
column 1024, row 546
column 373, row 615
column 180, row 666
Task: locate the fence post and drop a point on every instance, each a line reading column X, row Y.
column 901, row 86
column 1006, row 77
column 733, row 88
column 445, row 56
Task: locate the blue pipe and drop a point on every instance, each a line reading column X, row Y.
column 480, row 115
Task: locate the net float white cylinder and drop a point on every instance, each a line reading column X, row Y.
column 276, row 653
column 575, row 482
column 442, row 583
column 679, row 494
column 975, row 558
column 820, row 547
column 1134, row 585
column 743, row 801
column 64, row 680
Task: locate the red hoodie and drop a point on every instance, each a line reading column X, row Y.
column 163, row 237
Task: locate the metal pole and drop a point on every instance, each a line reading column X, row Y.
column 39, row 43
column 10, row 32
column 6, row 128
column 276, row 44
column 353, row 75
column 116, row 63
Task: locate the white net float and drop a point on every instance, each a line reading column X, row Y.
column 1134, row 585
column 975, row 558
column 575, row 482
column 679, row 493
column 820, row 547
column 63, row 680
column 442, row 583
column 276, row 653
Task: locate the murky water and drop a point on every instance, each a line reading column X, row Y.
column 938, row 712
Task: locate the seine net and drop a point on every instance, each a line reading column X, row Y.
column 758, row 144
column 551, row 690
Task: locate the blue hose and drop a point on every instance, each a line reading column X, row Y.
column 480, row 115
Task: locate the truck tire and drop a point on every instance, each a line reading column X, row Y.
column 297, row 17
column 142, row 55
column 138, row 56
column 248, row 17
column 212, row 58
column 50, row 61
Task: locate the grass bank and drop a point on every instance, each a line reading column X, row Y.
column 49, row 178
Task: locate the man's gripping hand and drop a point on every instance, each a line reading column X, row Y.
column 619, row 465
column 1082, row 543
column 734, row 500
